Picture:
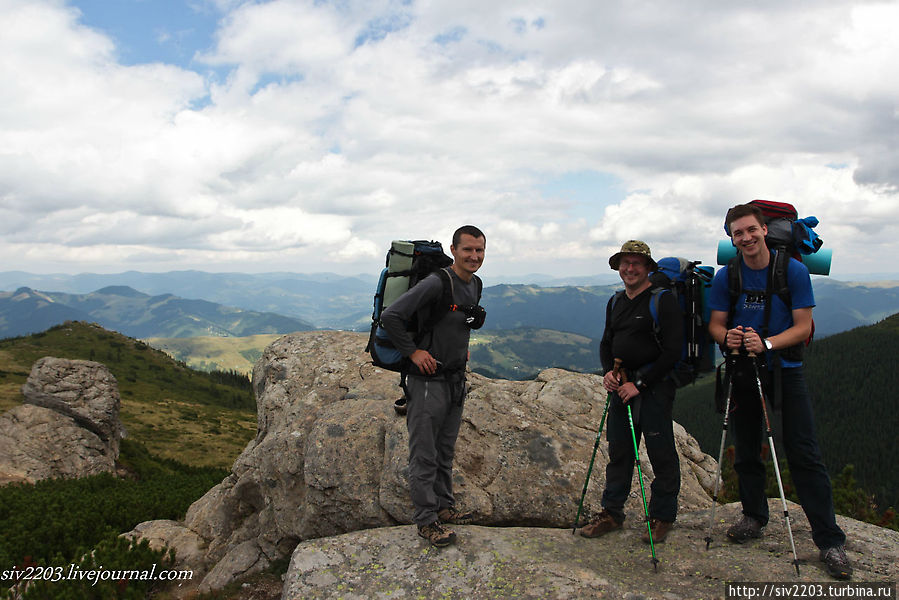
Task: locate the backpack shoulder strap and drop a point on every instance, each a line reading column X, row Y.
column 654, row 300
column 777, row 284
column 611, row 305
column 734, row 285
column 439, row 307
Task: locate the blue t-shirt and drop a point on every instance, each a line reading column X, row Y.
column 750, row 308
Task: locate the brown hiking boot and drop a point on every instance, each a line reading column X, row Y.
column 745, row 529
column 456, row 517
column 601, row 525
column 660, row 531
column 437, row 534
column 837, row 562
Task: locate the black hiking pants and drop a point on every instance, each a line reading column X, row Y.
column 803, row 456
column 655, row 425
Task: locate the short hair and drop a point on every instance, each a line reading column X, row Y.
column 470, row 230
column 743, row 210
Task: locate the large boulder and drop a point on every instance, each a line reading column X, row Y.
column 69, row 425
column 330, row 457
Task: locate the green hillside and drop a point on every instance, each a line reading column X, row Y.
column 853, row 381
column 201, row 419
column 213, row 353
column 522, row 353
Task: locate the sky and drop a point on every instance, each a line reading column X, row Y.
column 303, row 136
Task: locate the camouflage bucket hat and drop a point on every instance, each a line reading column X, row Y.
column 632, row 247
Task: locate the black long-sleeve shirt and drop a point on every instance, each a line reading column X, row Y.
column 629, row 335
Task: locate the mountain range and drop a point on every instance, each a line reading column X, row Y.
column 195, row 303
column 135, row 314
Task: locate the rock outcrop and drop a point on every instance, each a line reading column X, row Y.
column 330, row 457
column 517, row 562
column 68, row 425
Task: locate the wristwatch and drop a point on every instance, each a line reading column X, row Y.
column 768, row 344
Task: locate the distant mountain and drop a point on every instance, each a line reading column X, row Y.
column 25, row 311
column 579, row 310
column 327, row 300
column 135, row 314
column 842, row 306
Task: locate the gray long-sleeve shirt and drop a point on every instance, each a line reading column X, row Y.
column 447, row 342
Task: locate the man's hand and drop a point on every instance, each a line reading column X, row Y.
column 426, row 363
column 610, row 381
column 735, row 337
column 752, row 341
column 628, row 391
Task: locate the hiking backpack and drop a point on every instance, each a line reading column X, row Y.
column 409, row 262
column 690, row 285
column 786, row 231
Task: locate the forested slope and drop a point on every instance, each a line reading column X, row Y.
column 854, row 382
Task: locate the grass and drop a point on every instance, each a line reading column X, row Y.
column 175, row 411
column 216, row 353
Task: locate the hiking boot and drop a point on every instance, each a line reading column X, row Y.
column 744, row 529
column 660, row 531
column 601, row 525
column 837, row 562
column 456, row 517
column 437, row 534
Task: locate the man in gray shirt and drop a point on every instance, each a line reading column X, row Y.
column 436, row 379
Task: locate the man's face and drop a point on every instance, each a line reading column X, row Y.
column 469, row 254
column 634, row 270
column 748, row 235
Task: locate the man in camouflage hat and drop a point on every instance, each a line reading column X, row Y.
column 647, row 359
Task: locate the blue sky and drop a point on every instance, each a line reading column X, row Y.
column 147, row 31
column 303, row 136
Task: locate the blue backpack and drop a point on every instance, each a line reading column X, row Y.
column 690, row 284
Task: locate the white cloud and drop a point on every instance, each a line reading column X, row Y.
column 313, row 133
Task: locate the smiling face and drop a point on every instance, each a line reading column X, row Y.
column 634, row 271
column 468, row 255
column 748, row 235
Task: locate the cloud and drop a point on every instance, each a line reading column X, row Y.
column 310, row 134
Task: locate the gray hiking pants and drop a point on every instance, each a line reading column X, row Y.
column 433, row 418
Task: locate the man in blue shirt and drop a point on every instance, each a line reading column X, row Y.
column 740, row 328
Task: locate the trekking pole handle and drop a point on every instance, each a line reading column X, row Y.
column 620, row 375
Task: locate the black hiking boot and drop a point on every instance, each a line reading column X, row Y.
column 456, row 517
column 437, row 534
column 837, row 562
column 601, row 525
column 745, row 529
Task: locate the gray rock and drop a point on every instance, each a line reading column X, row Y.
column 535, row 562
column 68, row 426
column 330, row 456
column 84, row 390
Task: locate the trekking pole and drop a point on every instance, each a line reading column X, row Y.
column 728, row 374
column 780, row 485
column 630, row 418
column 595, row 447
